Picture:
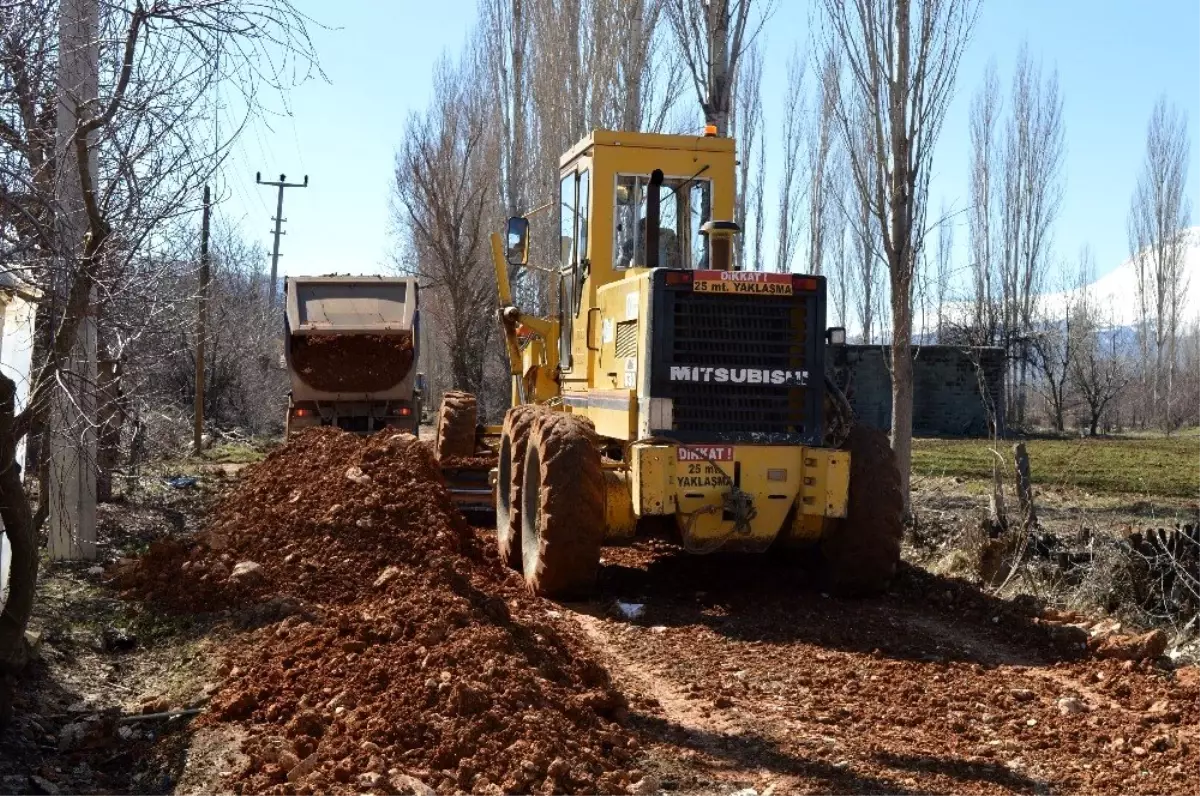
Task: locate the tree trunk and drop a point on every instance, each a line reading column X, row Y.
column 902, row 388
column 1025, row 487
column 19, row 528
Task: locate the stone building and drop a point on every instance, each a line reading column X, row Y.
column 957, row 390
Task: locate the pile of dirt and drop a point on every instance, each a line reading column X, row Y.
column 352, row 363
column 417, row 661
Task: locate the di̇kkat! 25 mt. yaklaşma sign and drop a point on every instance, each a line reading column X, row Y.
column 747, row 282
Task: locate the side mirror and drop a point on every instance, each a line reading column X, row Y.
column 836, row 335
column 516, row 246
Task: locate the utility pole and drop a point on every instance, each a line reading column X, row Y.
column 72, row 438
column 279, row 219
column 201, row 328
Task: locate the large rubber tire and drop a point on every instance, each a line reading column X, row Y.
column 562, row 507
column 860, row 553
column 456, row 421
column 510, row 474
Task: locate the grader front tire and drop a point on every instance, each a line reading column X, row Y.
column 514, row 438
column 455, row 435
column 562, row 509
column 860, row 553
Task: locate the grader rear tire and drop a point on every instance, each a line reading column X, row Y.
column 514, row 438
column 455, row 435
column 860, row 553
column 562, row 507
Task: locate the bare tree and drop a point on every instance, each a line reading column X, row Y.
column 443, row 187
column 712, row 36
column 1034, row 149
column 133, row 153
column 747, row 127
column 791, row 181
column 1053, row 347
column 1158, row 219
column 902, row 57
column 1099, row 371
column 822, row 162
column 983, row 228
column 942, row 275
column 760, row 182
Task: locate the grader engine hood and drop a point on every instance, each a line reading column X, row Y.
column 736, row 357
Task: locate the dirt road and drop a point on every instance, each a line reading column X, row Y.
column 740, row 675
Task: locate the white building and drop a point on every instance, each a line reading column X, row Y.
column 17, row 308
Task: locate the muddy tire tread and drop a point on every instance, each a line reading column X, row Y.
column 861, row 553
column 456, row 423
column 518, row 422
column 570, row 523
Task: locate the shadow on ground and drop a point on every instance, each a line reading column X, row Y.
column 775, row 600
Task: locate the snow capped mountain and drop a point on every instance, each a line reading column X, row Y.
column 1117, row 292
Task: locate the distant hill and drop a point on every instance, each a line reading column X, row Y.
column 1117, row 290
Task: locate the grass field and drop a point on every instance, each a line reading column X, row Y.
column 1157, row 466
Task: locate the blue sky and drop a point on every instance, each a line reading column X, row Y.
column 1113, row 60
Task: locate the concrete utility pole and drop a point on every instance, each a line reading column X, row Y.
column 279, row 219
column 72, row 413
column 201, row 328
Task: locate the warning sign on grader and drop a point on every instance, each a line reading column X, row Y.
column 743, row 282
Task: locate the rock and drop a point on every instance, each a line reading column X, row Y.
column 155, row 704
column 1139, row 751
column 1163, row 711
column 117, row 639
column 14, row 783
column 303, row 768
column 1022, row 694
column 658, row 629
column 1131, row 648
column 353, row 645
column 370, row 748
column 370, row 780
column 287, row 760
column 356, row 475
column 246, row 572
column 1068, row 638
column 1188, row 676
column 1070, row 706
column 408, row 784
column 723, row 701
column 558, row 769
column 43, row 785
column 388, row 575
column 643, row 787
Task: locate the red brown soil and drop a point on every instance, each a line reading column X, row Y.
column 417, row 654
column 352, row 363
column 747, row 677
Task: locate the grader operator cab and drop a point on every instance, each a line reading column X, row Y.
column 670, row 388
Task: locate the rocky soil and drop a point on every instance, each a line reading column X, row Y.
column 339, row 628
column 395, row 655
column 352, row 363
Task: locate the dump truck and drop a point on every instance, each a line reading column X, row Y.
column 672, row 392
column 350, row 344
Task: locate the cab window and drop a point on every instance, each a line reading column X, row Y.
column 685, row 204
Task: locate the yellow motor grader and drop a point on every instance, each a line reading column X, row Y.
column 671, row 388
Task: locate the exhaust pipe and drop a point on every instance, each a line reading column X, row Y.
column 653, row 215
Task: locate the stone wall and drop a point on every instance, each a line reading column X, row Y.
column 946, row 396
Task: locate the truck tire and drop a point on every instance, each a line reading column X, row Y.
column 562, row 507
column 456, row 421
column 860, row 553
column 510, row 472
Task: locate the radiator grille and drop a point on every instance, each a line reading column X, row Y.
column 724, row 331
